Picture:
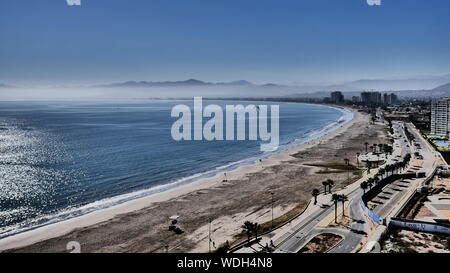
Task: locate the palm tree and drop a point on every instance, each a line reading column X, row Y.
column 315, row 193
column 330, row 184
column 325, row 185
column 371, row 181
column 388, row 169
column 376, row 180
column 364, row 186
column 347, row 162
column 247, row 227
column 335, row 198
column 256, row 227
column 382, row 171
column 343, row 199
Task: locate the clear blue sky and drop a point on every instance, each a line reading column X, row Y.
column 283, row 41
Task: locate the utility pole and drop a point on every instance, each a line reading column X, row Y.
column 209, row 237
column 271, row 193
column 166, row 246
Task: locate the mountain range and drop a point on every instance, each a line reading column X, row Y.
column 190, row 82
column 2, row 85
column 424, row 86
column 394, row 84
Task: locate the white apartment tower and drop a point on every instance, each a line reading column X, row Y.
column 440, row 117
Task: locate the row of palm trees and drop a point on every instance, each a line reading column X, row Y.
column 328, row 184
column 336, row 198
column 385, row 172
column 369, row 183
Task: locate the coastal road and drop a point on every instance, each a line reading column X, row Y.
column 306, row 230
column 396, row 193
column 292, row 242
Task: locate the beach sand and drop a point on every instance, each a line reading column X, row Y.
column 142, row 225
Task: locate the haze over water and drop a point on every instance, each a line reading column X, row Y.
column 63, row 159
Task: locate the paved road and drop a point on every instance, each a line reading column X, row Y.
column 308, row 229
column 292, row 242
column 397, row 191
column 303, row 241
column 359, row 226
column 390, row 196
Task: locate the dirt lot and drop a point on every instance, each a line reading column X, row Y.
column 321, row 243
column 404, row 241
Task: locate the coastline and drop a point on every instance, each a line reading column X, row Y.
column 64, row 227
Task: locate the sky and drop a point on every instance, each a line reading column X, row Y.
column 47, row 42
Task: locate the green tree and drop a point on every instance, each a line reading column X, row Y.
column 364, row 186
column 325, row 185
column 343, row 198
column 335, row 198
column 248, row 227
column 315, row 193
column 330, row 184
column 256, row 228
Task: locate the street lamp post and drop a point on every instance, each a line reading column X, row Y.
column 209, row 237
column 271, row 193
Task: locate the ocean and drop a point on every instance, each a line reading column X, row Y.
column 62, row 159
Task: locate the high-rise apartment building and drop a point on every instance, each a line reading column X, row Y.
column 371, row 97
column 390, row 98
column 440, row 117
column 337, row 97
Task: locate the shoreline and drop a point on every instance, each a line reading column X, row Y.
column 64, row 227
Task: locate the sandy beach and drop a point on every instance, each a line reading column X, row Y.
column 141, row 225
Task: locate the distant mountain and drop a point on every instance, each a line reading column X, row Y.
column 406, row 87
column 190, row 82
column 389, row 84
column 411, row 83
column 445, row 87
column 2, row 85
column 240, row 82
